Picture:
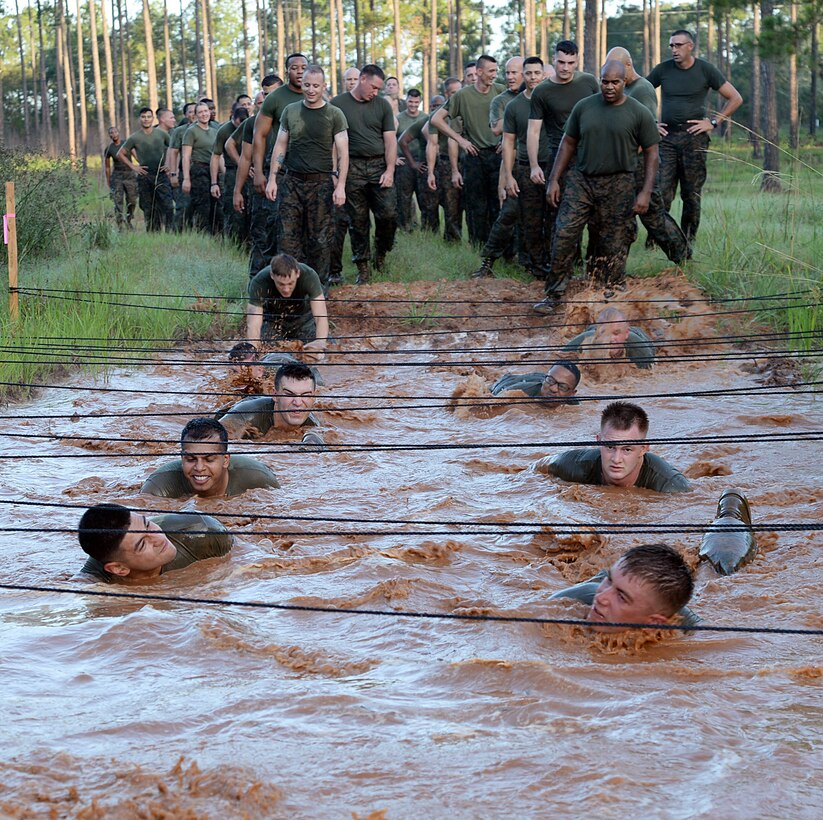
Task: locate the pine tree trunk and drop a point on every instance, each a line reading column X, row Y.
column 281, row 40
column 794, row 114
column 398, row 55
column 24, row 82
column 754, row 122
column 215, row 92
column 433, row 45
column 458, row 17
column 246, row 50
column 37, row 123
column 589, row 57
column 45, row 107
column 183, row 61
column 167, row 57
column 151, row 65
column 60, row 48
column 98, row 80
column 69, row 89
column 771, row 152
column 205, row 42
column 313, row 12
column 604, row 35
column 357, row 34
column 814, row 69
column 341, row 40
column 261, row 61
column 333, row 49
column 198, row 52
column 81, row 86
column 656, row 33
column 110, row 82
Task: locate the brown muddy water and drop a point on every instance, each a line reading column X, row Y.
column 121, row 709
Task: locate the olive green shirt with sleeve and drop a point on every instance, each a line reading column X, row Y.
column 639, row 347
column 684, row 90
column 311, row 136
column 195, row 535
column 474, row 108
column 368, row 121
column 245, row 473
column 224, row 134
column 516, row 121
column 201, row 141
column 553, row 102
column 150, row 148
column 643, row 91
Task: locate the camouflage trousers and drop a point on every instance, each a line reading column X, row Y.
column 235, row 225
column 204, row 209
column 155, row 200
column 262, row 229
column 480, row 176
column 181, row 205
column 604, row 204
column 450, row 199
column 364, row 195
column 404, row 186
column 527, row 211
column 306, row 220
column 123, row 193
column 683, row 162
column 342, row 221
column 657, row 221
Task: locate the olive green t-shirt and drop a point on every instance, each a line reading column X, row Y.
column 639, row 347
column 406, row 122
column 311, row 136
column 276, row 308
column 609, row 135
column 499, row 104
column 176, row 135
column 149, row 148
column 582, row 466
column 257, row 412
column 553, row 102
column 183, row 531
column 368, row 121
column 516, row 121
column 224, row 134
column 417, row 144
column 473, row 107
column 273, row 107
column 684, row 89
column 456, row 125
column 586, row 590
column 643, row 91
column 201, row 141
column 245, row 473
column 117, row 166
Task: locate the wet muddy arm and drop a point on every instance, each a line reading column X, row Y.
column 254, row 323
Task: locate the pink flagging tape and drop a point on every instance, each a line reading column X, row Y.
column 6, row 218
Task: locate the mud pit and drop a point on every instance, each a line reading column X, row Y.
column 301, row 714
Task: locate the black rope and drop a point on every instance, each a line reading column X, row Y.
column 455, row 616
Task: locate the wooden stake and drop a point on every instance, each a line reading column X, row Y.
column 10, row 235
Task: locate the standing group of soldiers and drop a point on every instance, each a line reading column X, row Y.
column 532, row 163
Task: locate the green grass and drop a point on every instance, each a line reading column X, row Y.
column 750, row 244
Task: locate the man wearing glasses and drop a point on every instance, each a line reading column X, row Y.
column 684, row 125
column 558, row 386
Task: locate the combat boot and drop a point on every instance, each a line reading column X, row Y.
column 363, row 273
column 486, row 269
column 729, row 541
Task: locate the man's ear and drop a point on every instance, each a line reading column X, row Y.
column 226, row 459
column 116, row 568
column 657, row 618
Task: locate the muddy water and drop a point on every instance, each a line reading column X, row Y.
column 113, row 708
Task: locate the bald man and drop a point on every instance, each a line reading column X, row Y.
column 602, row 135
column 350, row 78
column 659, row 224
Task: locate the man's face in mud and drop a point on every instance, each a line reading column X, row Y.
column 615, row 335
column 293, row 402
column 559, row 384
column 621, row 463
column 623, row 598
column 141, row 554
column 206, row 466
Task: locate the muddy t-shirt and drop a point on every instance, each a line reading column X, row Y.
column 582, row 466
column 684, row 89
column 367, row 123
column 149, row 148
column 263, row 293
column 586, row 590
column 201, row 141
column 184, row 531
column 245, row 473
column 257, row 412
column 516, row 121
column 643, row 91
column 473, row 107
column 608, row 136
column 639, row 347
column 530, row 384
column 553, row 102
column 311, row 136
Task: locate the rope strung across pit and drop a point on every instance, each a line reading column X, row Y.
column 446, row 616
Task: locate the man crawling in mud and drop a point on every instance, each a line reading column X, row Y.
column 125, row 546
column 558, row 386
column 613, row 338
column 620, row 460
column 649, row 584
column 206, row 469
column 288, row 409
